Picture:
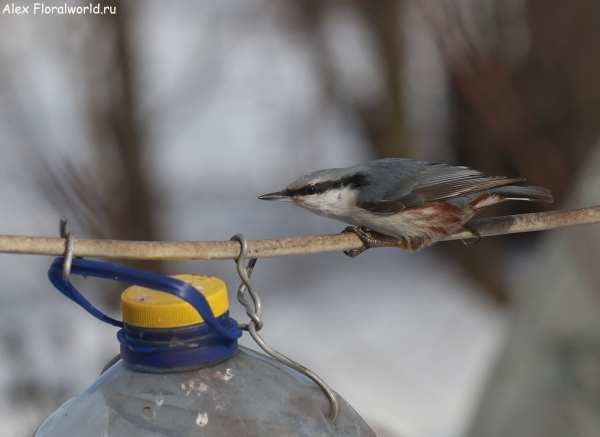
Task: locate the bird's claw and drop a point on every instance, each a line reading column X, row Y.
column 355, row 252
column 475, row 233
column 364, row 236
column 368, row 239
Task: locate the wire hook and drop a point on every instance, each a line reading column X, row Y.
column 256, row 324
column 244, row 272
column 69, row 245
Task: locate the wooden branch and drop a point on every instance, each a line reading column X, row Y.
column 180, row 250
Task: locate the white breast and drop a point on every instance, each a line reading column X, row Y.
column 341, row 205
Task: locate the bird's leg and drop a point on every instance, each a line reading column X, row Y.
column 368, row 239
column 364, row 236
column 475, row 233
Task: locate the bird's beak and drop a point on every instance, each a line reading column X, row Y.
column 279, row 195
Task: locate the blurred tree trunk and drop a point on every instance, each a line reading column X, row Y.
column 135, row 222
column 490, row 109
column 384, row 123
column 109, row 196
column 545, row 382
column 533, row 118
column 117, row 202
column 559, row 77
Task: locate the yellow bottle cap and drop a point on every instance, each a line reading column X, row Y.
column 147, row 308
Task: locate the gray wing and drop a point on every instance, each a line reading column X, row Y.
column 398, row 184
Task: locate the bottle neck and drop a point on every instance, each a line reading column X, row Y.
column 160, row 350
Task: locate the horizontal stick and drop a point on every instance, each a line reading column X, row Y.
column 180, row 250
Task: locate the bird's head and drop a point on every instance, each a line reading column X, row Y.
column 322, row 190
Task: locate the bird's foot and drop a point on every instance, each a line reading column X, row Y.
column 369, row 240
column 475, row 233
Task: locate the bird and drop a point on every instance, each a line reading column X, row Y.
column 415, row 202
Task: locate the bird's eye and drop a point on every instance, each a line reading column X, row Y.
column 311, row 189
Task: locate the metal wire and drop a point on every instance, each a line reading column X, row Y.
column 256, row 324
column 69, row 247
column 253, row 312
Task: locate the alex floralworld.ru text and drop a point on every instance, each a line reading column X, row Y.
column 41, row 8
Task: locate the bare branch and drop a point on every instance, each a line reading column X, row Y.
column 180, row 250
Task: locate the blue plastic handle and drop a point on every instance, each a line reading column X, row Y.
column 133, row 276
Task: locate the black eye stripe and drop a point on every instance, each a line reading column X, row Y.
column 353, row 181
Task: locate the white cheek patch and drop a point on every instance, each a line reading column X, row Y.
column 325, row 200
column 334, row 203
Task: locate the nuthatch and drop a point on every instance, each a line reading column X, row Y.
column 414, row 201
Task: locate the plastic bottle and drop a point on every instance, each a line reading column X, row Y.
column 178, row 377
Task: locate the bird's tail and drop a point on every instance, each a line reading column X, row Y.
column 516, row 192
